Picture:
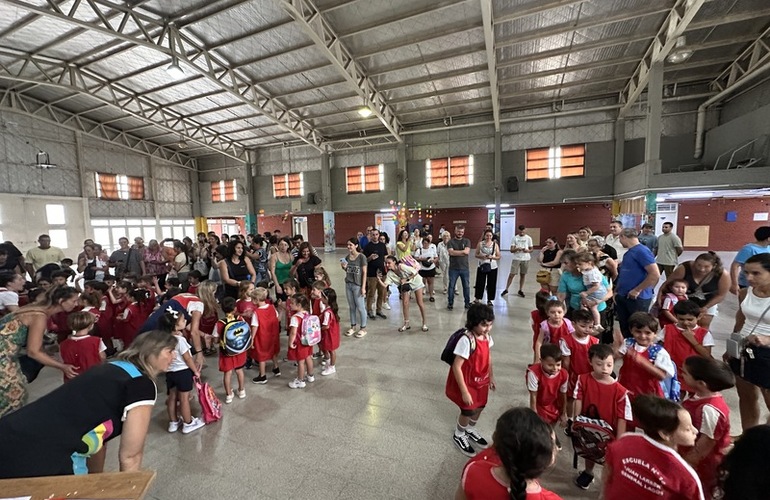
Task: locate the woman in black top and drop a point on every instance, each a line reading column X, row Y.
column 304, row 267
column 550, row 260
column 65, row 431
column 235, row 268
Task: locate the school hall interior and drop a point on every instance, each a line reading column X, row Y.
column 163, row 118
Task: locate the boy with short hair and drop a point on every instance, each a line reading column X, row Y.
column 685, row 338
column 470, row 377
column 547, row 385
column 194, row 280
column 645, row 363
column 574, row 350
column 598, row 391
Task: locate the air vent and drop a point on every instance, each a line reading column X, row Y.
column 665, row 207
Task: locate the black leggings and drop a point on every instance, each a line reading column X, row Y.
column 490, row 279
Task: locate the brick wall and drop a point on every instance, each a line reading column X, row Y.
column 723, row 235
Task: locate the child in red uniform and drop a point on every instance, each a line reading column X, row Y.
column 647, row 466
column 574, row 350
column 522, row 449
column 320, row 274
column 537, row 315
column 470, row 377
column 317, row 307
column 677, row 292
column 193, row 281
column 82, row 350
column 245, row 306
column 330, row 331
column 554, row 328
column 710, row 416
column 89, row 302
column 227, row 363
column 145, row 283
column 299, row 305
column 266, row 329
column 547, row 385
column 645, row 363
column 685, row 338
column 131, row 319
column 610, row 400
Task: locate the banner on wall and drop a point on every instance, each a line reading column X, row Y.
column 330, row 238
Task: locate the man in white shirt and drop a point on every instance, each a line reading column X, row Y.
column 521, row 248
column 613, row 239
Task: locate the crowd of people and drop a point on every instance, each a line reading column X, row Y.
column 122, row 320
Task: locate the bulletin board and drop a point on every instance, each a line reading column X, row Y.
column 696, row 236
column 534, row 233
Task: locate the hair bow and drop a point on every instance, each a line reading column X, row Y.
column 170, row 310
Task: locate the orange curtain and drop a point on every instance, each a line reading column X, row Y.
column 537, row 164
column 108, row 185
column 439, row 172
column 216, row 192
column 230, row 190
column 135, row 188
column 279, row 186
column 354, row 180
column 295, row 184
column 372, row 178
column 458, row 170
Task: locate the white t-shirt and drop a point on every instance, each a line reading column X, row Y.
column 662, row 360
column 522, row 242
column 182, row 348
column 430, row 253
column 614, row 242
column 8, row 298
column 463, row 347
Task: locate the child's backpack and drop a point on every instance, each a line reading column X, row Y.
column 236, row 336
column 310, row 330
column 448, row 354
column 590, row 436
column 211, row 406
column 411, row 262
column 670, row 385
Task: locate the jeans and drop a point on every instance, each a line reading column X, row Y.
column 356, row 304
column 490, row 279
column 464, row 276
column 625, row 307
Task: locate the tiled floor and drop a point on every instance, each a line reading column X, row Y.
column 379, row 429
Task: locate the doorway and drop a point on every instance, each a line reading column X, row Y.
column 299, row 226
column 666, row 212
column 386, row 223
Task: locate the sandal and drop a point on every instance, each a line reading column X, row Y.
column 424, row 328
column 405, row 327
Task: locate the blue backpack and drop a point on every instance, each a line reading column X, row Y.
column 670, row 385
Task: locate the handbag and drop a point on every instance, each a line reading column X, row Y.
column 485, row 268
column 406, row 287
column 736, row 344
column 543, row 277
column 30, row 367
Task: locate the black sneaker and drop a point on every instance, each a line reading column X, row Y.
column 380, row 315
column 558, row 443
column 584, row 480
column 467, row 306
column 449, row 308
column 371, row 316
column 277, row 371
column 262, row 379
column 317, row 355
column 568, row 428
column 463, row 445
column 474, row 436
column 521, row 294
column 505, row 292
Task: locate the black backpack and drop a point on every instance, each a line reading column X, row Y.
column 448, row 354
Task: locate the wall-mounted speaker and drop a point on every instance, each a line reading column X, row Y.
column 311, row 199
column 512, row 184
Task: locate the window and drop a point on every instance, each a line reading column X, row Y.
column 55, row 215
column 58, row 238
column 107, row 232
column 288, row 186
column 365, row 179
column 119, row 187
column 556, row 162
column 449, row 172
column 222, row 191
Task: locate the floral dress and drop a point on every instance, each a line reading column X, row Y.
column 13, row 388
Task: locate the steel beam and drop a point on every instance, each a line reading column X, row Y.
column 40, row 110
column 488, row 21
column 755, row 55
column 60, row 74
column 680, row 15
column 195, row 56
column 535, row 9
column 381, row 22
column 310, row 20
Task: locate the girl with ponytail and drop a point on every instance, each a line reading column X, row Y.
column 522, row 450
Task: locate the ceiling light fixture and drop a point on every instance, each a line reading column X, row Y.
column 365, row 111
column 681, row 52
column 182, row 144
column 174, row 70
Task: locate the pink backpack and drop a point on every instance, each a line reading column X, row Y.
column 211, row 406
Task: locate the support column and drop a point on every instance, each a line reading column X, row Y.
column 620, row 144
column 89, row 231
column 401, row 153
column 498, row 177
column 252, row 203
column 654, row 117
column 330, row 231
column 195, row 197
column 154, row 194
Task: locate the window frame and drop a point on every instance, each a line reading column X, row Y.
column 286, row 188
column 119, row 187
column 553, row 156
column 466, row 179
column 363, row 183
column 225, row 190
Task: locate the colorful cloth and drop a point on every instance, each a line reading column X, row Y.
column 13, row 388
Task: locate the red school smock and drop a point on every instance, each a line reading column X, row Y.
column 711, row 416
column 330, row 331
column 245, row 308
column 639, row 468
column 535, row 318
column 300, row 352
column 548, row 389
column 228, row 363
column 106, row 317
column 128, row 323
column 577, row 350
column 480, row 483
column 267, row 339
column 81, row 352
column 611, row 400
column 555, row 333
column 635, row 377
column 475, row 372
column 680, row 349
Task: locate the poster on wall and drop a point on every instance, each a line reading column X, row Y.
column 329, row 233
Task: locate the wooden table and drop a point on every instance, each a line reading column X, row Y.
column 109, row 485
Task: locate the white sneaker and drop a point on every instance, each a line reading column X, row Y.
column 242, row 394
column 229, row 398
column 329, row 370
column 173, row 426
column 310, row 379
column 386, row 306
column 350, row 332
column 194, row 425
column 297, row 384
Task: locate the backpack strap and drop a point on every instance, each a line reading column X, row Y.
column 129, row 368
column 652, row 352
column 471, row 340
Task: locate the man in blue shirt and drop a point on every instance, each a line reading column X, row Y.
column 636, row 278
column 761, row 245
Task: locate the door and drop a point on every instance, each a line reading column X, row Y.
column 386, row 223
column 299, row 226
column 507, row 229
column 666, row 212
